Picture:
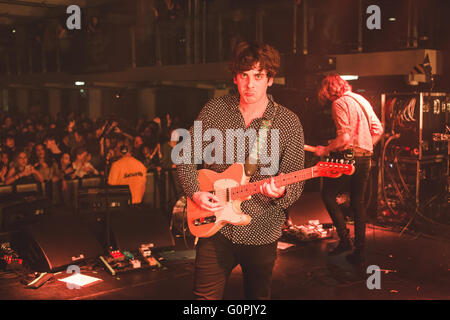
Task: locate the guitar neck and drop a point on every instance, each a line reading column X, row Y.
column 246, row 190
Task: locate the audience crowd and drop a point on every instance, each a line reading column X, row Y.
column 40, row 148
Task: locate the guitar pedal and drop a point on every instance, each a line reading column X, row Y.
column 135, row 263
column 128, row 255
column 152, row 261
column 117, row 255
column 145, row 251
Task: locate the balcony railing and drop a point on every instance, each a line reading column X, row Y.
column 206, row 30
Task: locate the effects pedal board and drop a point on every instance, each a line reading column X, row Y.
column 125, row 261
column 313, row 230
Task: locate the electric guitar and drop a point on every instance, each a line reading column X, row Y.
column 231, row 188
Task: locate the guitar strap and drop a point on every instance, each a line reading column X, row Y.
column 250, row 168
column 364, row 111
column 361, row 106
column 251, row 163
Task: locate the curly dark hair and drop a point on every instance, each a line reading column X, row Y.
column 247, row 54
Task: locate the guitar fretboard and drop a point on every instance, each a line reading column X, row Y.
column 249, row 189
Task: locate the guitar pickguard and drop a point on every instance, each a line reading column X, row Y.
column 232, row 207
column 223, row 184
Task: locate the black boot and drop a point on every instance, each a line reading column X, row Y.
column 356, row 258
column 345, row 244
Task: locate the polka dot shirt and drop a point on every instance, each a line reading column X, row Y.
column 268, row 214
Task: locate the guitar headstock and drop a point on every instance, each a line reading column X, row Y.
column 334, row 168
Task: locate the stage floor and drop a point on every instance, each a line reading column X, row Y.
column 412, row 268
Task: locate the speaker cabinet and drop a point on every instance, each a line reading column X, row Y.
column 137, row 226
column 56, row 242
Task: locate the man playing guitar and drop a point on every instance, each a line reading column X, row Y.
column 252, row 243
column 358, row 129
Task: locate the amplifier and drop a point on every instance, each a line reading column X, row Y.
column 419, row 118
column 98, row 199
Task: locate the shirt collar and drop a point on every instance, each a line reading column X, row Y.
column 270, row 110
column 268, row 113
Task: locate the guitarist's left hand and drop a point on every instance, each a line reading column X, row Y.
column 270, row 190
column 322, row 151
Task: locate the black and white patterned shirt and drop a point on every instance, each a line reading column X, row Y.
column 267, row 213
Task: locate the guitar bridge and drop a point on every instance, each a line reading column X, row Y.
column 202, row 221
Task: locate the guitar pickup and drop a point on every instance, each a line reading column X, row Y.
column 202, row 221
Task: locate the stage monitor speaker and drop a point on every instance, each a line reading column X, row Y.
column 137, row 226
column 55, row 243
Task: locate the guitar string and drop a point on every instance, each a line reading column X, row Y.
column 243, row 190
column 252, row 188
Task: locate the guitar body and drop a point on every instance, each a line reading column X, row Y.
column 203, row 223
column 227, row 188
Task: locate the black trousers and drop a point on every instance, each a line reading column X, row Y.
column 358, row 185
column 217, row 257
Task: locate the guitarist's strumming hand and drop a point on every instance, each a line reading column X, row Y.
column 207, row 201
column 270, row 190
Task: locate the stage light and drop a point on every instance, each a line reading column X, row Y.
column 79, row 83
column 392, row 19
column 350, row 77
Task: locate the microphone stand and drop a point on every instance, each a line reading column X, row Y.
column 108, row 217
column 106, row 132
column 109, row 129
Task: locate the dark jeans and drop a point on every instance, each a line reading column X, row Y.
column 216, row 258
column 358, row 185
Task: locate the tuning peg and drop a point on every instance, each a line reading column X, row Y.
column 342, row 161
column 327, row 160
column 353, row 162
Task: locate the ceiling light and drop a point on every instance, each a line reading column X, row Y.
column 350, row 77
